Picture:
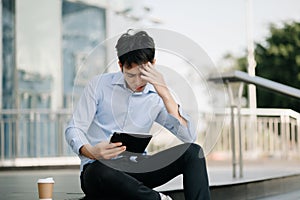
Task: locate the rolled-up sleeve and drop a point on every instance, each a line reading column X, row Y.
column 184, row 133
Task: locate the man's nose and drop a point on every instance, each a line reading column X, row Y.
column 138, row 79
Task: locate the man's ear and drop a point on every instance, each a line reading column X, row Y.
column 153, row 61
column 121, row 66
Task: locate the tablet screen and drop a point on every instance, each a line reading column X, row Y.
column 134, row 142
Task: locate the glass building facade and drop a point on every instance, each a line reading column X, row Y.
column 8, row 66
column 81, row 34
column 44, row 44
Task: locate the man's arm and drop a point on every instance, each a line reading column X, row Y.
column 170, row 104
column 151, row 75
column 78, row 127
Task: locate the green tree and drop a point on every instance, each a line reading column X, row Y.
column 278, row 59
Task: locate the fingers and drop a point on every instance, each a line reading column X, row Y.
column 146, row 72
column 114, row 144
column 106, row 150
column 113, row 152
column 149, row 73
column 148, row 69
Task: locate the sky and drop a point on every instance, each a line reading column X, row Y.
column 219, row 26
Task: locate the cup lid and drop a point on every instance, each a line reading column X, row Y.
column 46, row 180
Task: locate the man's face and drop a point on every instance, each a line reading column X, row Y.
column 133, row 78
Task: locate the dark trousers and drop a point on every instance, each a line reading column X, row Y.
column 126, row 179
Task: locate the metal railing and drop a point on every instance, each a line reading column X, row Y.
column 230, row 79
column 36, row 134
column 272, row 133
column 32, row 133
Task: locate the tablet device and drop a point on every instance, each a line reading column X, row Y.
column 134, row 142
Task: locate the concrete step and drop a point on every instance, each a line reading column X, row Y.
column 261, row 180
column 250, row 189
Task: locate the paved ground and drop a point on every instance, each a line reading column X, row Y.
column 21, row 184
column 289, row 196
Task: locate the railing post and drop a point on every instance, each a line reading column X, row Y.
column 232, row 130
column 2, row 139
column 37, row 133
column 236, row 104
column 288, row 132
column 284, row 134
column 31, row 133
column 59, row 134
column 17, row 153
column 298, row 134
column 240, row 93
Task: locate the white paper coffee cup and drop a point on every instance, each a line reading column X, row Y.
column 45, row 188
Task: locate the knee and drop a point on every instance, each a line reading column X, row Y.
column 100, row 172
column 195, row 151
column 95, row 177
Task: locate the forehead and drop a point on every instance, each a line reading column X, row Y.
column 134, row 68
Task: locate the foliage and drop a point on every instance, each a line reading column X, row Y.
column 278, row 59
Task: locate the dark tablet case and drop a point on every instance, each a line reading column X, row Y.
column 135, row 143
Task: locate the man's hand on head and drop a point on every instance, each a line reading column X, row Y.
column 150, row 74
column 153, row 76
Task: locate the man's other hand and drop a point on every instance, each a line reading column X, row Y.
column 102, row 150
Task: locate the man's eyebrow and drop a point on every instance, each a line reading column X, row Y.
column 130, row 73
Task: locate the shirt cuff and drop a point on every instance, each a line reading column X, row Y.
column 185, row 133
column 77, row 139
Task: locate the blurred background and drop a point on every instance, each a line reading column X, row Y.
column 44, row 43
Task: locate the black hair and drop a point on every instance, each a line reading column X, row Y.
column 136, row 48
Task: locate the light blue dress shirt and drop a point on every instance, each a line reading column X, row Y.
column 107, row 106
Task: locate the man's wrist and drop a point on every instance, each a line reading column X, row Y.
column 87, row 151
column 80, row 150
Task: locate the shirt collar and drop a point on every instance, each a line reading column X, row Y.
column 118, row 79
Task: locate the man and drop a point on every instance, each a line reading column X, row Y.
column 131, row 101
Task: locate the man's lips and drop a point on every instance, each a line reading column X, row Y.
column 140, row 88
